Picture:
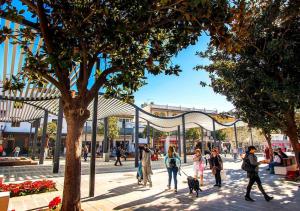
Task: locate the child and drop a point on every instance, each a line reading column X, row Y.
column 198, row 165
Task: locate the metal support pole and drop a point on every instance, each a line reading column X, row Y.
column 36, row 126
column 85, row 134
column 148, row 132
column 235, row 136
column 124, row 134
column 153, row 130
column 136, row 137
column 202, row 140
column 183, row 139
column 43, row 141
column 251, row 136
column 106, row 141
column 58, row 138
column 29, row 140
column 214, row 133
column 93, row 148
column 179, row 140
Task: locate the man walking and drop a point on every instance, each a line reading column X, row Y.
column 146, row 165
column 250, row 165
column 118, row 154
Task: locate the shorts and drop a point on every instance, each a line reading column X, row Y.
column 198, row 171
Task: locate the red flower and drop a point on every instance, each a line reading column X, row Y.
column 54, row 203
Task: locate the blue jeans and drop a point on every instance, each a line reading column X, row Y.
column 173, row 171
column 272, row 165
column 16, row 154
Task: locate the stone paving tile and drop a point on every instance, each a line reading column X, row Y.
column 119, row 191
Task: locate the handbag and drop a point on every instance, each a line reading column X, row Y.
column 214, row 170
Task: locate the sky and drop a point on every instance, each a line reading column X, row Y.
column 184, row 90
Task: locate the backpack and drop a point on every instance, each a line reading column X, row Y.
column 172, row 162
column 246, row 165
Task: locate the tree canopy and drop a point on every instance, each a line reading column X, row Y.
column 262, row 78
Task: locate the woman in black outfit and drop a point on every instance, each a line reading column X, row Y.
column 217, row 166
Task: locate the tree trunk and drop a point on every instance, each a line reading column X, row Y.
column 293, row 135
column 71, row 192
column 268, row 139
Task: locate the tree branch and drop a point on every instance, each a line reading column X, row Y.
column 100, row 82
column 30, row 5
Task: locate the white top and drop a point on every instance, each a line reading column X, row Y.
column 277, row 159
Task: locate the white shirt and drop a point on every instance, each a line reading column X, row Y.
column 277, row 159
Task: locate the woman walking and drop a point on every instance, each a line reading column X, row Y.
column 198, row 165
column 173, row 163
column 217, row 166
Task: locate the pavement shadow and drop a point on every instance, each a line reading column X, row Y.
column 230, row 197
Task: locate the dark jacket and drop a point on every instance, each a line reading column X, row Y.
column 217, row 162
column 253, row 161
column 118, row 153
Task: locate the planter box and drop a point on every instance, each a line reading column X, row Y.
column 4, row 199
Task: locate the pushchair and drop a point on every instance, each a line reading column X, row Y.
column 139, row 174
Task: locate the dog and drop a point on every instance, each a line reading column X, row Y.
column 193, row 185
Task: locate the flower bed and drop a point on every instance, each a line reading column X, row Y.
column 28, row 187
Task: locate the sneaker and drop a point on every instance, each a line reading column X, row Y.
column 175, row 191
column 219, row 186
column 150, row 185
column 269, row 198
column 216, row 185
column 248, row 198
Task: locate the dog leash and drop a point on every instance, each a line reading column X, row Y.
column 183, row 172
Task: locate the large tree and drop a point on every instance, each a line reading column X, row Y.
column 261, row 76
column 132, row 36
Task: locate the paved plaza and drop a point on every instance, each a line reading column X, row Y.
column 119, row 190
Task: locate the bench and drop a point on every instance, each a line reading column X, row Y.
column 289, row 164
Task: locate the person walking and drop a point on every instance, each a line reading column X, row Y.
column 217, row 166
column 146, row 165
column 85, row 152
column 235, row 153
column 198, row 165
column 250, row 165
column 118, row 154
column 173, row 163
column 225, row 151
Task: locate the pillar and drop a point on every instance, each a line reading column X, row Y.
column 251, row 136
column 214, row 133
column 43, row 141
column 202, row 140
column 153, row 133
column 105, row 144
column 36, row 126
column 93, row 148
column 179, row 140
column 235, row 136
column 136, row 137
column 148, row 132
column 58, row 138
column 183, row 139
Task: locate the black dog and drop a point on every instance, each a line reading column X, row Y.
column 193, row 185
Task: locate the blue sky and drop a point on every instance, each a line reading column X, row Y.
column 185, row 89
